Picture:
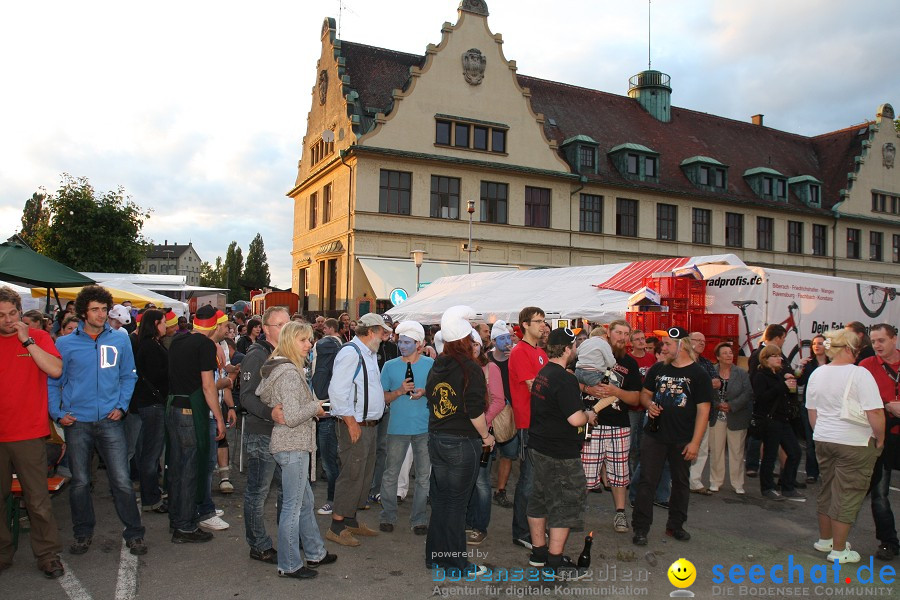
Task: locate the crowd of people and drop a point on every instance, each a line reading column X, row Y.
column 385, row 409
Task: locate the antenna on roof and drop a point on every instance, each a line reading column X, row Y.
column 648, row 35
column 340, row 11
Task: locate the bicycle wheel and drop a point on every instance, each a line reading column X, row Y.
column 872, row 298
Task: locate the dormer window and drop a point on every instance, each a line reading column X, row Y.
column 581, row 154
column 705, row 172
column 767, row 183
column 587, row 157
column 636, row 162
column 808, row 189
column 470, row 134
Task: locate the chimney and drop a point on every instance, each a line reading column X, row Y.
column 757, row 120
column 167, row 243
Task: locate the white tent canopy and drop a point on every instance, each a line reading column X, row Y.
column 178, row 307
column 567, row 292
column 387, row 274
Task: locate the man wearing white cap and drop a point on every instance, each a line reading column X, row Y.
column 357, row 400
column 408, row 425
column 503, row 340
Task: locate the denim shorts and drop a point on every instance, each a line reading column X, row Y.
column 509, row 449
column 559, row 491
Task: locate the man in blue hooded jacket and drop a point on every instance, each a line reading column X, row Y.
column 90, row 400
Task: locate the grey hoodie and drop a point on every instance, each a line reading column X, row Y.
column 282, row 383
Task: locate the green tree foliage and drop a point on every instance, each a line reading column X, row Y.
column 35, row 221
column 256, row 271
column 94, row 232
column 213, row 275
column 233, row 267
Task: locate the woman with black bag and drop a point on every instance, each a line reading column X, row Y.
column 775, row 396
column 148, row 403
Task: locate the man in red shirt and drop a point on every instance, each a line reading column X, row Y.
column 525, row 360
column 27, row 357
column 885, row 366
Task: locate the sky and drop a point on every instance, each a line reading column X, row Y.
column 198, row 108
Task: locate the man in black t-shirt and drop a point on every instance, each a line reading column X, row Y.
column 192, row 394
column 612, row 446
column 554, row 447
column 677, row 394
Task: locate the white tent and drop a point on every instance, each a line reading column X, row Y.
column 567, row 292
column 178, row 307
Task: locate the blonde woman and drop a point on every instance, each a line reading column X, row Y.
column 283, row 383
column 846, row 450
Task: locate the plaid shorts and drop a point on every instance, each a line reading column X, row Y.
column 610, row 446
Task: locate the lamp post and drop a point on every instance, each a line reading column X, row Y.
column 418, row 257
column 470, row 208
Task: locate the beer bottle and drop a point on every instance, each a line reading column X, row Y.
column 653, row 422
column 584, row 561
column 485, row 456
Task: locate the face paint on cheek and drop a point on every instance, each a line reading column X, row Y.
column 406, row 347
column 503, row 343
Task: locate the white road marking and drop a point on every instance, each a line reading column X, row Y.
column 126, row 584
column 71, row 586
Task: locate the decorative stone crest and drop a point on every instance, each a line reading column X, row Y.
column 888, row 154
column 479, row 7
column 473, row 62
column 323, row 86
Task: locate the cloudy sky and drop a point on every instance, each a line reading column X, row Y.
column 198, row 108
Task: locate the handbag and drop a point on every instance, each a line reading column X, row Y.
column 851, row 411
column 504, row 425
column 759, row 426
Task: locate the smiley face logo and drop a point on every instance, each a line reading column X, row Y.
column 682, row 573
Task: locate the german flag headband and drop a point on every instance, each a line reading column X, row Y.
column 171, row 319
column 210, row 323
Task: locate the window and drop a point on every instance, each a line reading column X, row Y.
column 765, row 233
column 153, row 267
column 720, row 178
column 704, row 175
column 895, row 205
column 442, row 133
column 782, row 189
column 332, row 283
column 626, row 217
column 795, row 237
column 313, row 210
column 493, row 202
column 819, row 244
column 896, row 251
column 853, row 238
column 875, row 245
column 879, row 202
column 815, row 195
column 444, row 197
column 303, row 288
column 649, row 166
column 666, row 222
column 537, row 207
column 702, row 221
column 395, row 192
column 586, row 156
column 322, row 285
column 458, row 132
column 321, row 149
column 461, row 135
column 326, row 203
column 767, row 186
column 632, row 164
column 734, row 230
column 590, row 214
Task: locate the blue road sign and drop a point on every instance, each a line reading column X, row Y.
column 398, row 296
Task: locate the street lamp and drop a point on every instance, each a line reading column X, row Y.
column 471, row 210
column 418, row 257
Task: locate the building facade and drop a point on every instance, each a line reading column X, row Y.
column 402, row 150
column 173, row 259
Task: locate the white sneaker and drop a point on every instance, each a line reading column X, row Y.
column 825, row 545
column 214, row 524
column 620, row 523
column 326, row 509
column 740, row 491
column 847, row 556
column 219, row 512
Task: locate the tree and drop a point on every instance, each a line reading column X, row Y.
column 35, row 221
column 212, row 275
column 91, row 232
column 233, row 266
column 256, row 271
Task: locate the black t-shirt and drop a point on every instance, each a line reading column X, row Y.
column 189, row 355
column 678, row 390
column 554, row 398
column 453, row 403
column 503, row 365
column 626, row 374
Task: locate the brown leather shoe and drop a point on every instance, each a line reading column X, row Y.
column 344, row 539
column 52, row 568
column 363, row 530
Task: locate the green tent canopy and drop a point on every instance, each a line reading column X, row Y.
column 21, row 264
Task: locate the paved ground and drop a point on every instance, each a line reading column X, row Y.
column 727, row 530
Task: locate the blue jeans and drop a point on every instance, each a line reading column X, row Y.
column 478, row 516
column 396, row 453
column 150, row 447
column 297, row 522
column 110, row 440
column 380, row 453
column 454, row 467
column 885, row 529
column 182, row 470
column 520, row 528
column 207, row 508
column 328, row 452
column 133, row 427
column 261, row 471
column 779, row 434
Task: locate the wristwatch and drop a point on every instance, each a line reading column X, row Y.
column 28, row 342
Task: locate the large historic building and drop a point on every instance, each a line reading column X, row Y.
column 173, row 259
column 402, row 150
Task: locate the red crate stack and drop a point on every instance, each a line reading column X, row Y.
column 647, row 321
column 680, row 318
column 715, row 325
column 711, row 343
column 679, row 293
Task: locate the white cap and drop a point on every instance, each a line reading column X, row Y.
column 412, row 330
column 500, row 328
column 455, row 323
column 120, row 314
column 476, row 337
column 439, row 342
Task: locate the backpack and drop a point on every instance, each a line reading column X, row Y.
column 326, row 349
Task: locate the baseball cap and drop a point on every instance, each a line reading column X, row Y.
column 561, row 336
column 676, row 333
column 371, row 320
column 388, row 320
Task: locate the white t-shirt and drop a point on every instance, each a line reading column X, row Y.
column 825, row 393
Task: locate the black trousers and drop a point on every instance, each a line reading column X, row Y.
column 653, row 456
